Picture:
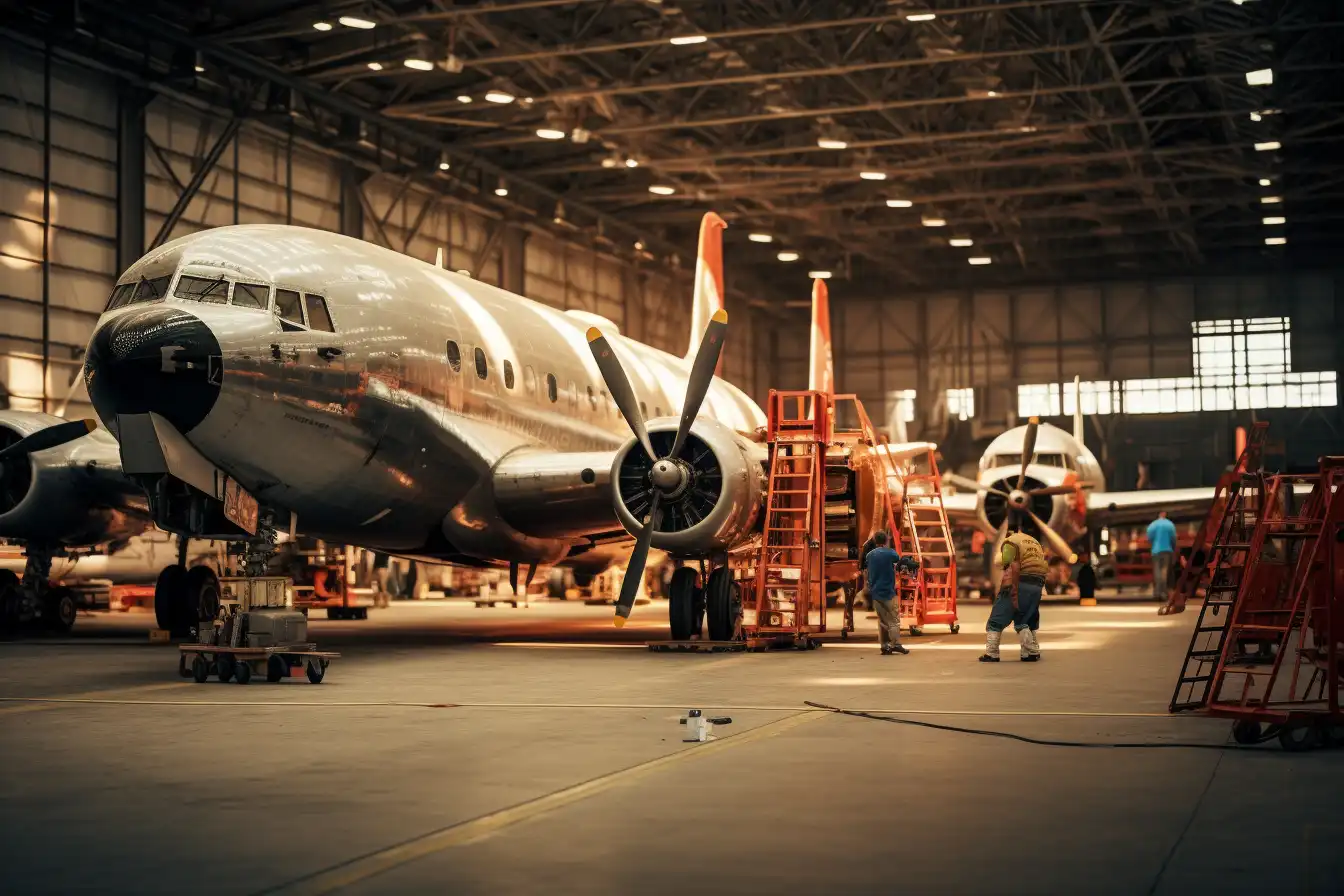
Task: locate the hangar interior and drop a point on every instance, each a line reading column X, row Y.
column 1113, row 219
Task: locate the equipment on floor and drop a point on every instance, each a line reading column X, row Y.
column 256, row 629
column 1274, row 601
column 698, row 728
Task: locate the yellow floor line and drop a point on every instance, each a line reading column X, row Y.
column 38, row 704
column 477, row 829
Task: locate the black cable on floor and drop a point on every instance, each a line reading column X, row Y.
column 1164, row 745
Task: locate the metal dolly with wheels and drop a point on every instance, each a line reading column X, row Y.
column 238, row 664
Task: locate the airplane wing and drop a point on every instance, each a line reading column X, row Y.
column 1141, row 507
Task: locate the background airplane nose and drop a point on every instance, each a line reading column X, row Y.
column 158, row 359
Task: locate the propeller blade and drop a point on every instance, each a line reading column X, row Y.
column 1028, row 449
column 702, row 374
column 971, row 485
column 634, row 571
column 50, row 437
column 618, row 384
column 1057, row 542
column 513, row 577
column 1054, row 490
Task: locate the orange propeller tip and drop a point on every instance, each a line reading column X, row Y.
column 89, row 424
column 1036, row 420
column 618, row 621
column 720, row 317
column 594, row 334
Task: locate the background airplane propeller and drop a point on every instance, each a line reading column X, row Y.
column 667, row 476
column 41, row 440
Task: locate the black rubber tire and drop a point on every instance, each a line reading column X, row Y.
column 723, row 604
column 363, row 612
column 224, row 667
column 169, row 592
column 59, row 609
column 583, row 579
column 681, row 603
column 315, row 671
column 1298, row 737
column 200, row 669
column 242, row 673
column 276, row 668
column 202, row 597
column 916, row 631
column 955, row 628
column 336, row 612
column 183, row 667
column 1246, row 732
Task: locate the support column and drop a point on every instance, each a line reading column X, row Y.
column 352, row 210
column 131, row 104
column 513, row 260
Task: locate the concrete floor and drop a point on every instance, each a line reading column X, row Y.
column 457, row 750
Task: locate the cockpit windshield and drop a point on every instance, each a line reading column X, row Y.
column 202, row 289
column 1013, row 460
column 147, row 289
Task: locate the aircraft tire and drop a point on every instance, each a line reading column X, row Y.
column 169, row 592
column 59, row 609
column 723, row 604
column 681, row 603
column 200, row 599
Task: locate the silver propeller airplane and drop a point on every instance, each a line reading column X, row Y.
column 257, row 378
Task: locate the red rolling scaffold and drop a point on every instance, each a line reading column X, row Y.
column 1268, row 646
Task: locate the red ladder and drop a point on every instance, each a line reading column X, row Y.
column 929, row 537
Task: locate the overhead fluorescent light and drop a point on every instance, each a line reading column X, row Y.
column 609, row 162
column 933, row 222
column 357, row 22
column 960, row 242
column 687, row 39
column 1265, row 182
column 1256, row 116
column 831, row 143
column 819, row 275
column 899, row 203
column 420, row 65
column 662, row 190
column 921, row 17
column 1273, row 219
column 1260, row 77
column 1271, row 200
column 464, row 99
column 501, row 190
column 375, row 66
column 873, row 175
column 322, row 26
column 760, row 237
column 980, row 259
column 1268, row 146
column 632, row 163
column 786, row 255
column 639, row 245
column 1276, row 240
column 498, row 96
column 199, row 62
column 550, row 134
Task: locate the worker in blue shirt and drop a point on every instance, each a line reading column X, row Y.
column 880, row 574
column 1162, row 544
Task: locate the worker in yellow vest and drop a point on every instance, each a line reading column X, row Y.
column 1019, row 599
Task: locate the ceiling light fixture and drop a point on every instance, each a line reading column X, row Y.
column 322, row 26
column 1268, row 146
column 464, row 99
column 444, row 163
column 786, row 255
column 760, row 238
column 980, row 259
column 662, row 190
column 819, row 275
column 502, row 189
column 639, row 245
column 200, row 63
column 1276, row 240
column 1256, row 116
column 899, row 203
column 961, row 242
column 632, row 163
column 550, row 134
column 921, row 17
column 609, row 162
column 375, row 66
column 1265, row 182
column 420, row 65
column 1260, row 77
column 1271, row 200
column 933, row 222
column 873, row 175
column 831, row 143
column 1273, row 219
column 686, row 40
column 501, row 97
column 357, row 22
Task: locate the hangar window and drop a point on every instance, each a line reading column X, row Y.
column 150, row 290
column 288, row 306
column 121, row 295
column 454, row 356
column 961, row 403
column 482, row 368
column 901, row 405
column 552, row 388
column 251, row 295
column 318, row 317
column 508, row 375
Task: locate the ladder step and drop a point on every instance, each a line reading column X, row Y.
column 1262, row 628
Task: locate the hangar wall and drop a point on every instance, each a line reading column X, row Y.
column 66, row 168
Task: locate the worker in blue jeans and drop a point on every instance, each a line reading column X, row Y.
column 880, row 575
column 1019, row 599
column 1162, row 544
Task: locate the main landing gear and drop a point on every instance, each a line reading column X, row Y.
column 33, row 599
column 690, row 606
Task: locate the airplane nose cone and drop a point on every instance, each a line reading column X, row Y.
column 158, row 359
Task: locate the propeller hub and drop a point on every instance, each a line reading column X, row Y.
column 1018, row 498
column 668, row 477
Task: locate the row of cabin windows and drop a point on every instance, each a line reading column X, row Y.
column 303, row 309
column 529, row 379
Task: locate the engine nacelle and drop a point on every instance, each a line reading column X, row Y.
column 69, row 495
column 719, row 499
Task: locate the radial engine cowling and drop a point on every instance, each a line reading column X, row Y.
column 719, row 492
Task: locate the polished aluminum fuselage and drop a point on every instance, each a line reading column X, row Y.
column 370, row 434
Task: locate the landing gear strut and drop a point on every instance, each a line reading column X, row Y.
column 33, row 599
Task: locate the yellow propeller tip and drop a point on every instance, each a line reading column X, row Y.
column 1036, row 420
column 1073, row 558
column 89, row 424
column 720, row 317
column 618, row 621
column 594, row 334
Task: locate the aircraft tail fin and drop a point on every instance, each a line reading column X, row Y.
column 708, row 281
column 821, row 365
column 1078, row 410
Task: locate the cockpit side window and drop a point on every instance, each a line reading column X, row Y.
column 288, row 306
column 151, row 290
column 482, row 367
column 120, row 296
column 454, row 357
column 318, row 316
column 251, row 295
column 202, row 289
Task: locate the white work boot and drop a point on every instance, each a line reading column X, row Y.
column 1031, row 651
column 991, row 654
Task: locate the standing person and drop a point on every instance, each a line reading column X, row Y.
column 1162, row 544
column 880, row 572
column 1087, row 581
column 1019, row 599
